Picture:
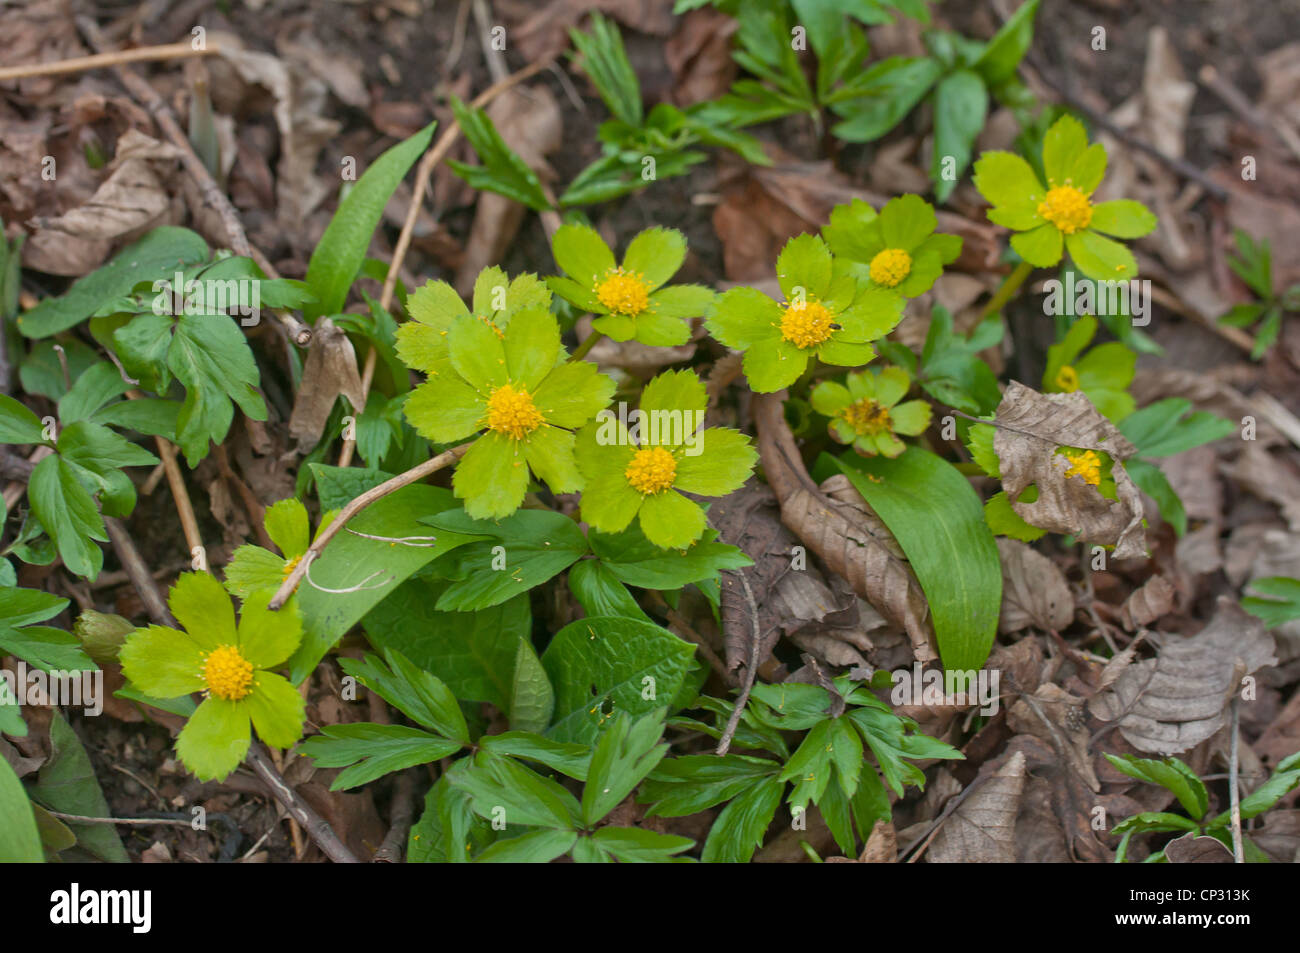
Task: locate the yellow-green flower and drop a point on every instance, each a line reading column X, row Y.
column 630, row 299
column 829, row 314
column 867, row 413
column 1103, row 374
column 898, row 247
column 636, row 471
column 229, row 664
column 1062, row 216
column 510, row 384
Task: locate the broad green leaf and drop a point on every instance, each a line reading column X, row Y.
column 638, row 562
column 17, row 423
column 623, row 756
column 66, row 783
column 368, row 751
column 738, row 830
column 1008, row 46
column 1171, row 774
column 20, row 842
column 69, row 516
column 960, row 103
column 1165, row 428
column 936, row 517
column 341, row 250
column 1281, row 602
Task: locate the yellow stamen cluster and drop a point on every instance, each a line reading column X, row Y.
column 228, row 674
column 512, row 412
column 651, row 470
column 807, row 325
column 290, row 565
column 1067, row 379
column 624, row 292
column 1067, row 208
column 868, row 417
column 890, row 267
column 1084, row 464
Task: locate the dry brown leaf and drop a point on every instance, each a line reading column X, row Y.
column 1152, row 600
column 1178, row 699
column 546, row 32
column 1030, row 428
column 1167, row 95
column 848, row 537
column 1034, row 591
column 1191, row 849
column 330, row 370
column 1269, row 478
column 982, row 830
column 699, row 54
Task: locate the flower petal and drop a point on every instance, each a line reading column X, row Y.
column 888, row 445
column 1087, row 172
column 491, row 288
column 854, row 232
column 1004, row 178
column 215, row 739
column 1041, row 246
column 268, row 638
column 581, row 253
column 609, row 503
column 829, row 398
column 655, row 254
column 843, row 353
column 445, row 408
column 670, row 520
column 674, row 391
column 661, row 330
column 616, row 327
column 204, row 610
column 723, row 464
column 803, row 268
column 477, row 352
column 742, row 317
column 252, row 568
column 532, row 344
column 276, row 709
column 1122, row 218
column 1099, row 257
column 578, row 295
column 891, row 384
column 1064, row 143
column 906, row 221
column 773, row 364
column 436, row 304
column 1018, row 216
column 492, row 477
column 572, row 394
column 911, row 417
column 163, row 662
column 873, row 314
column 682, row 301
column 423, row 348
column 287, row 525
column 549, row 451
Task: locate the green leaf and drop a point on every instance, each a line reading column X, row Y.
column 1162, row 430
column 960, row 103
column 573, row 760
column 339, row 255
column 635, row 845
column 159, row 254
column 623, row 756
column 381, row 564
column 502, row 171
column 1282, row 602
column 20, row 842
column 1171, row 774
column 520, row 552
column 66, row 783
column 420, row 695
column 69, row 516
column 602, row 665
column 636, row 561
column 936, row 517
column 738, row 830
column 605, row 62
column 1151, row 481
column 1008, row 46
column 600, row 592
column 535, row 847
column 1149, row 821
column 500, row 787
column 369, row 751
column 887, row 92
column 18, row 424
column 211, row 357
column 693, row 783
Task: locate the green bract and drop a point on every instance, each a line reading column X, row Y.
column 1062, row 215
column 867, row 412
column 509, row 383
column 630, row 299
column 829, row 314
column 422, row 341
column 1104, row 373
column 635, row 468
column 898, row 246
column 228, row 664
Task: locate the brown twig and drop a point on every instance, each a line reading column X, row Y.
column 401, row 817
column 422, row 173
column 316, row 826
column 79, row 64
column 354, row 507
column 136, row 570
column 1236, row 100
column 1234, row 794
column 751, row 667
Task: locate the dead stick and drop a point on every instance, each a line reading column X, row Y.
column 78, row 64
column 135, row 568
column 358, row 504
column 422, row 173
column 401, row 816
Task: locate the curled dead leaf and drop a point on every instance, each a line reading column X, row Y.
column 330, row 370
column 1154, row 599
column 1034, row 590
column 982, row 830
column 1030, row 428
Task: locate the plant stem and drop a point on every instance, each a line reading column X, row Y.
column 1010, row 285
column 586, row 346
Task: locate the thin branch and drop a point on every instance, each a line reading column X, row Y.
column 315, row 825
column 1234, row 795
column 402, row 814
column 354, row 507
column 79, row 64
column 751, row 667
column 136, row 569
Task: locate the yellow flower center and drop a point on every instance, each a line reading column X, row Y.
column 652, row 470
column 807, row 325
column 1067, row 379
column 890, row 266
column 228, row 674
column 868, row 417
column 1084, row 464
column 290, row 565
column 1067, row 208
column 512, row 412
column 624, row 292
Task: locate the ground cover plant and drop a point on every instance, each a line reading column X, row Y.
column 720, row 431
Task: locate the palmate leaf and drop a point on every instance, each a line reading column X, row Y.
column 369, row 751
